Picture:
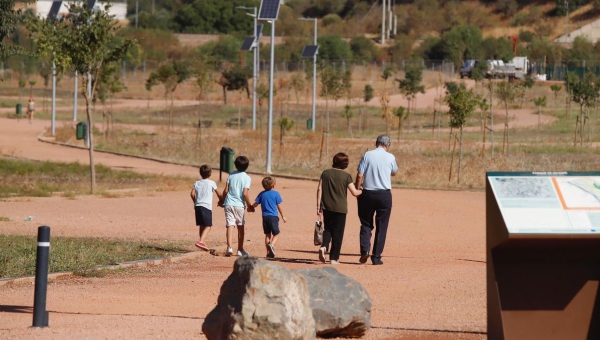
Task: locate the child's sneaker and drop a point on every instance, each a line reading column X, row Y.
column 270, row 256
column 229, row 251
column 202, row 246
column 242, row 253
column 271, row 250
column 335, row 262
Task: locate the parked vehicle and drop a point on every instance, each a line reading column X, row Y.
column 467, row 68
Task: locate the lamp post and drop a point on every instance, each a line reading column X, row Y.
column 314, row 101
column 255, row 66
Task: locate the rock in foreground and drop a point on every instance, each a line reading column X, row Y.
column 261, row 300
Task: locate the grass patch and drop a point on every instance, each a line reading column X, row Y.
column 43, row 179
column 78, row 255
column 4, row 219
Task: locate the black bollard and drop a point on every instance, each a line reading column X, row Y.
column 40, row 316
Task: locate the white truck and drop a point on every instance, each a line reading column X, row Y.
column 518, row 67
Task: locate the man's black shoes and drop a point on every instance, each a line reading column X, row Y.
column 377, row 262
column 364, row 258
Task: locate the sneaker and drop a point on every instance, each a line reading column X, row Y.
column 377, row 262
column 271, row 250
column 322, row 254
column 202, row 246
column 270, row 256
column 335, row 262
column 242, row 253
column 229, row 251
column 364, row 258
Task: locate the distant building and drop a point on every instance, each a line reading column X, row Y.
column 118, row 9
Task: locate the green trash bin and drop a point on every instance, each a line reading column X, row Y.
column 309, row 124
column 225, row 161
column 81, row 130
column 19, row 108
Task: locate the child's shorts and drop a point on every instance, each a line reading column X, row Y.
column 271, row 225
column 203, row 216
column 234, row 215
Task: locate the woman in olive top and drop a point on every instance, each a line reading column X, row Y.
column 333, row 204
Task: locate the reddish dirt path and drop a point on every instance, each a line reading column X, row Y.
column 432, row 285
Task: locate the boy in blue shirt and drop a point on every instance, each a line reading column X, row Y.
column 270, row 201
column 234, row 200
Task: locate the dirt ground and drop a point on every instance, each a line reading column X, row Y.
column 432, row 285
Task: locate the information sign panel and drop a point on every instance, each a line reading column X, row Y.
column 548, row 202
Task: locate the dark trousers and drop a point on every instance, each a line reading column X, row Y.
column 335, row 223
column 378, row 203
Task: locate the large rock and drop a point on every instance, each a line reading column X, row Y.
column 261, row 300
column 341, row 306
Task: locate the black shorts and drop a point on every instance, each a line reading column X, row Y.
column 271, row 225
column 203, row 216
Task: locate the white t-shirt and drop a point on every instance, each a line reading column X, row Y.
column 204, row 193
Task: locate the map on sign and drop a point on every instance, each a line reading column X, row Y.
column 564, row 203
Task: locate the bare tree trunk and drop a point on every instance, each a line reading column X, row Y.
column 452, row 161
column 460, row 153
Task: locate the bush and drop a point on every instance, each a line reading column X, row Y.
column 364, row 49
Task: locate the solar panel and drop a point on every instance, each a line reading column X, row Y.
column 247, row 44
column 54, row 10
column 259, row 29
column 269, row 9
column 310, row 51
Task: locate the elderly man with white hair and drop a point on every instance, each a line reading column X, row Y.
column 374, row 177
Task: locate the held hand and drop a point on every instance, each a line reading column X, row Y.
column 250, row 209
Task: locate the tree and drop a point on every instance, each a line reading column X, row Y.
column 539, row 102
column 170, row 74
column 31, row 85
column 584, row 91
column 462, row 104
column 235, row 78
column 411, row 84
column 84, row 41
column 401, row 113
column 347, row 113
column 331, row 87
column 9, row 17
column 262, row 94
column 367, row 96
column 387, row 72
column 297, row 83
column 109, row 83
column 285, row 124
column 506, row 94
column 556, row 89
column 202, row 69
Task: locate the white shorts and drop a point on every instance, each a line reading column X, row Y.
column 234, row 216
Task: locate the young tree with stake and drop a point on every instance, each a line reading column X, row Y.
column 85, row 40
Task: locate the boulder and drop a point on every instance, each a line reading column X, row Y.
column 261, row 300
column 340, row 305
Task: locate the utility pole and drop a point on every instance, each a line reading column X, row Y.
column 383, row 22
column 567, row 22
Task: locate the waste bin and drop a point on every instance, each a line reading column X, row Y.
column 19, row 109
column 309, row 124
column 81, row 130
column 225, row 161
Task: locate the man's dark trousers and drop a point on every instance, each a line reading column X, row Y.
column 378, row 203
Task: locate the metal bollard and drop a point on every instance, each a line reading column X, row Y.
column 40, row 315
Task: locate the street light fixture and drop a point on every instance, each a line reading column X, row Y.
column 314, row 103
column 255, row 64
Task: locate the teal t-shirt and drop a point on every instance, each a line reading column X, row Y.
column 237, row 181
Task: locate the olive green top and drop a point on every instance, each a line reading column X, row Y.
column 334, row 185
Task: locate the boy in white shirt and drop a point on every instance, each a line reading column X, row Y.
column 202, row 197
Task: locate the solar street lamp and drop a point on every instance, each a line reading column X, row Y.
column 269, row 10
column 308, row 52
column 255, row 65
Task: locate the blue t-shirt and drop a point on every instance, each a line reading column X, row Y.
column 237, row 181
column 268, row 201
column 377, row 166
